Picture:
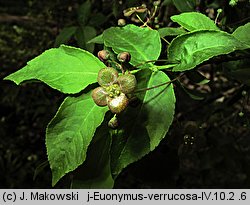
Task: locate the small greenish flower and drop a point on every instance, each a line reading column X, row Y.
column 233, row 2
column 113, row 89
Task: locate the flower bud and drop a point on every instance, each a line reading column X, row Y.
column 124, row 57
column 103, row 55
column 127, row 83
column 99, row 96
column 157, row 3
column 121, row 22
column 107, row 76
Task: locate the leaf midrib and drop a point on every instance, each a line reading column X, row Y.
column 202, row 49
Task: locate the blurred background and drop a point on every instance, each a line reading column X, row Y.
column 208, row 144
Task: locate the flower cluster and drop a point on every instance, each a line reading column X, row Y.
column 113, row 89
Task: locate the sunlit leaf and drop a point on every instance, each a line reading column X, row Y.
column 66, row 69
column 70, row 132
column 142, row 43
column 194, row 21
column 191, row 49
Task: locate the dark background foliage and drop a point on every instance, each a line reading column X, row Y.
column 208, row 145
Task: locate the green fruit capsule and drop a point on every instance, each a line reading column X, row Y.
column 127, row 83
column 118, row 104
column 99, row 96
column 107, row 76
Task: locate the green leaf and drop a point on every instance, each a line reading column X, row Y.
column 167, row 2
column 98, row 39
column 97, row 19
column 65, row 35
column 66, row 69
column 162, row 67
column 151, row 121
column 95, row 172
column 83, row 35
column 84, row 12
column 239, row 70
column 168, row 31
column 142, row 43
column 196, row 47
column 194, row 21
column 70, row 132
column 115, row 8
column 185, row 5
column 242, row 34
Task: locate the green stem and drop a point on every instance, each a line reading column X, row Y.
column 150, row 61
column 135, row 71
column 162, row 67
column 217, row 16
column 154, row 12
column 165, row 40
column 144, row 23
